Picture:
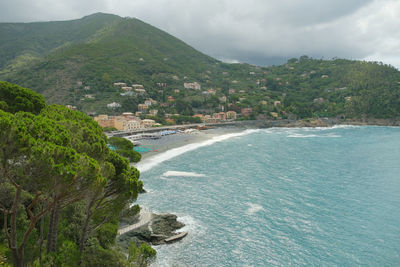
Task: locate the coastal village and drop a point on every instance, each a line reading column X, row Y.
column 168, row 99
column 147, row 112
column 150, row 124
column 128, row 121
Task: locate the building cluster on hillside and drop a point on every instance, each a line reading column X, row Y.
column 217, row 117
column 125, row 122
column 71, row 107
column 145, row 108
column 113, row 105
column 149, row 108
column 128, row 90
column 194, row 85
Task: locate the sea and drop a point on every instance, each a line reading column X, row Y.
column 280, row 197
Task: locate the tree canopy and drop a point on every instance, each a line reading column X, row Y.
column 15, row 98
column 58, row 177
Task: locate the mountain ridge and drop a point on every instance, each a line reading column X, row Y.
column 80, row 70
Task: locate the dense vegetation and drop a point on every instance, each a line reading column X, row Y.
column 108, row 49
column 62, row 189
column 22, row 42
column 14, row 98
column 124, row 147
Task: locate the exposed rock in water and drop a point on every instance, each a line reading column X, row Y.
column 159, row 228
column 165, row 224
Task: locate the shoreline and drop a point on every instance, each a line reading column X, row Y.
column 181, row 143
column 317, row 122
column 178, row 140
column 264, row 123
column 169, row 142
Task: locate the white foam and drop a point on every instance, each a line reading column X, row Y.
column 254, row 208
column 182, row 174
column 337, row 126
column 345, row 126
column 302, row 135
column 192, row 226
column 332, row 135
column 149, row 190
column 172, row 153
column 297, row 135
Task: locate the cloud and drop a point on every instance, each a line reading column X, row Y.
column 47, row 10
column 254, row 31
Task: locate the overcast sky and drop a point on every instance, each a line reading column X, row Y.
column 261, row 32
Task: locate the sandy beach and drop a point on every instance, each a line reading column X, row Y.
column 173, row 141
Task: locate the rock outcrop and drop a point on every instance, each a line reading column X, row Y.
column 153, row 231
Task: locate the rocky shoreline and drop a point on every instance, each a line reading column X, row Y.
column 315, row 122
column 154, row 230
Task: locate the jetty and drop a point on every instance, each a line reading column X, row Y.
column 176, row 237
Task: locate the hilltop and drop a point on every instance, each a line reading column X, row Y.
column 22, row 42
column 77, row 63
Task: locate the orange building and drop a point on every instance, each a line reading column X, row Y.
column 246, row 111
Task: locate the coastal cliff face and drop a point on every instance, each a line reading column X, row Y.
column 155, row 231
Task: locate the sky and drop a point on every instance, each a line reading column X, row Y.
column 262, row 32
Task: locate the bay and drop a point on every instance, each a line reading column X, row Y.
column 284, row 196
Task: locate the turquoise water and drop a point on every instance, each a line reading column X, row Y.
column 278, row 197
column 142, row 149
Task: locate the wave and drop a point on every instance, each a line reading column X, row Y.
column 297, row 135
column 254, row 208
column 182, row 174
column 172, row 153
column 345, row 126
column 192, row 226
column 333, row 127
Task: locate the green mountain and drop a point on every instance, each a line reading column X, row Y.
column 76, row 62
column 21, row 41
column 96, row 50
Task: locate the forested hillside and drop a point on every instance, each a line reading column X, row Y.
column 80, row 67
column 62, row 190
column 21, row 42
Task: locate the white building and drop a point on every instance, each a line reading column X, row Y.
column 113, row 105
column 126, row 88
column 150, row 102
column 119, row 84
column 140, row 91
column 195, row 86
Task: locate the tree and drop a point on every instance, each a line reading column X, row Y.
column 104, row 204
column 124, row 148
column 56, row 163
column 15, row 98
column 35, row 159
column 86, row 138
column 106, row 80
column 141, row 256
